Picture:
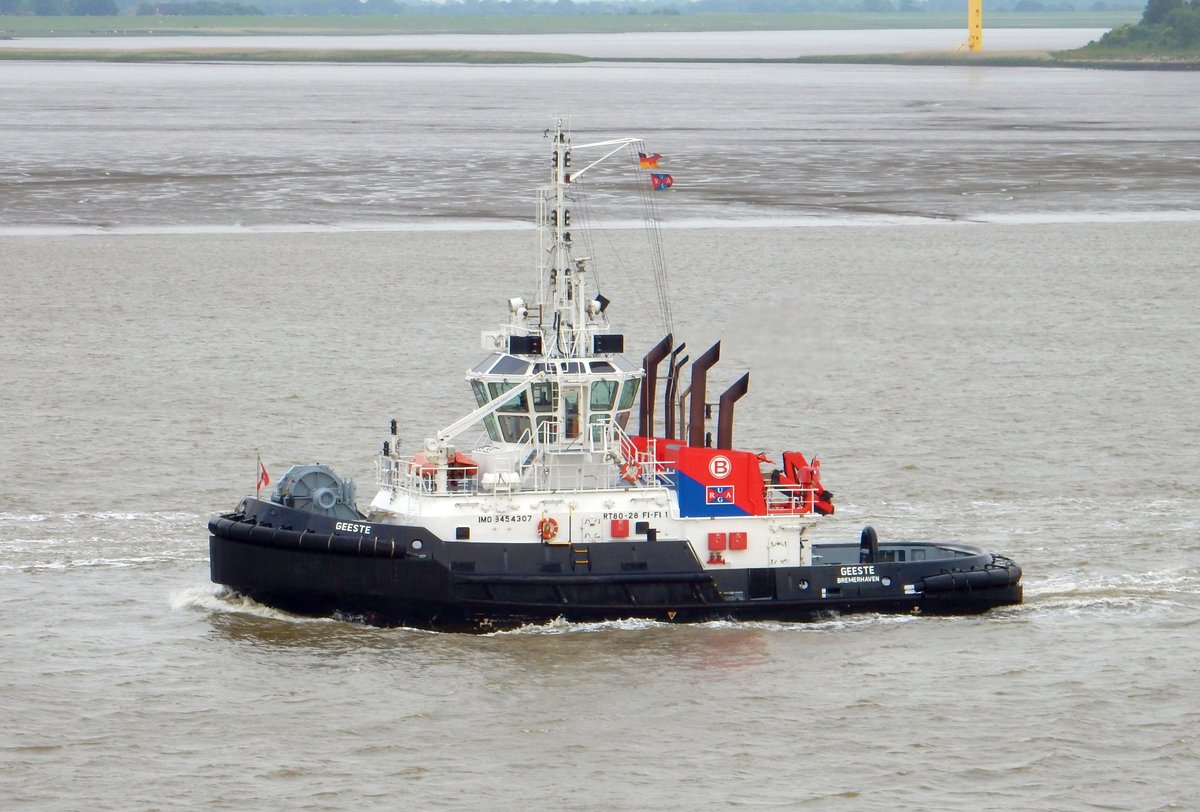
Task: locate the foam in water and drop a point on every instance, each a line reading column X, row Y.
column 562, row 626
column 1120, row 594
column 222, row 600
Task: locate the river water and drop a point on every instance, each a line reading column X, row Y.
column 674, row 45
column 971, row 291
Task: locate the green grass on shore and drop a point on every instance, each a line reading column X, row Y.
column 1118, row 60
column 414, row 56
column 1137, row 54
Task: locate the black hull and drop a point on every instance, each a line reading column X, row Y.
column 402, row 575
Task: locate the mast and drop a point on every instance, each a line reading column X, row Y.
column 568, row 318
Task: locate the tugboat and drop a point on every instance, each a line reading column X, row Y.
column 562, row 509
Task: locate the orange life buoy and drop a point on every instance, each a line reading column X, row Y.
column 631, row 471
column 548, row 528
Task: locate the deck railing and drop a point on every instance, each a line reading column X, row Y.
column 790, row 498
column 601, row 457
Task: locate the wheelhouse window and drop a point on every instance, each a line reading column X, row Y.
column 513, row 427
column 508, row 365
column 481, row 395
column 560, row 367
column 518, row 402
column 629, row 392
column 544, row 393
column 486, row 364
column 571, row 396
column 604, row 393
column 493, row 428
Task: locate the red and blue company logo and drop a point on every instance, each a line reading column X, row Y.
column 718, row 495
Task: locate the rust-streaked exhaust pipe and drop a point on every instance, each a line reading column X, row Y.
column 699, row 384
column 650, row 383
column 725, row 417
column 672, row 387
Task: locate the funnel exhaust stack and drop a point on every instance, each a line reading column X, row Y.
column 672, row 387
column 650, row 383
column 725, row 418
column 699, row 386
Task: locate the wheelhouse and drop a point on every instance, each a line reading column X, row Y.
column 555, row 401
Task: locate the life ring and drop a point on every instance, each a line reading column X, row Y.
column 631, row 471
column 548, row 529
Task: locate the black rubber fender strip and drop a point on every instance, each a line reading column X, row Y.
column 565, row 580
column 265, row 536
column 991, row 577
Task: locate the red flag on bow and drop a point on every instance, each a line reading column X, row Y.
column 659, row 182
column 264, row 479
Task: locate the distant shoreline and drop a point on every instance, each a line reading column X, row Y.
column 149, row 39
column 428, row 56
column 1021, row 59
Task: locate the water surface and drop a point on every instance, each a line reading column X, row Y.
column 672, row 44
column 970, row 291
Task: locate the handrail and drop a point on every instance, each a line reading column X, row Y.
column 609, row 449
column 790, row 498
column 413, row 475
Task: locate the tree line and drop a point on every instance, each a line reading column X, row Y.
column 199, row 9
column 60, row 8
column 1165, row 24
column 109, row 8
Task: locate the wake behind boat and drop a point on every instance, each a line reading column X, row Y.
column 562, row 509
